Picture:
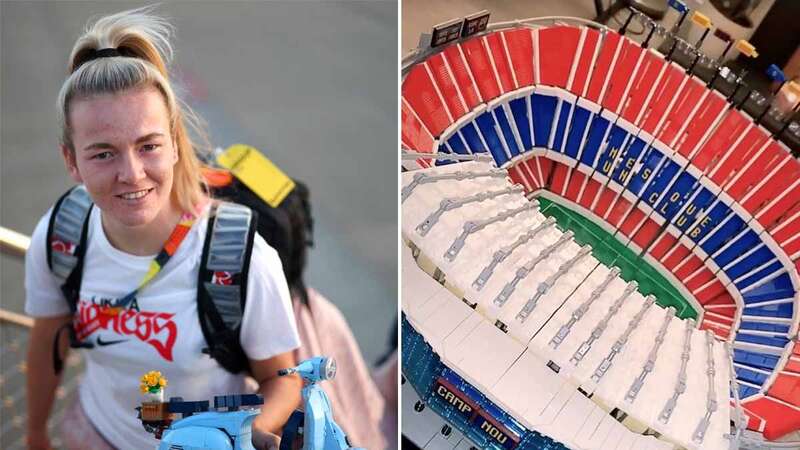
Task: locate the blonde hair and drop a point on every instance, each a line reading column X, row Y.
column 143, row 43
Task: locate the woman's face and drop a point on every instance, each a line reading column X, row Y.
column 124, row 154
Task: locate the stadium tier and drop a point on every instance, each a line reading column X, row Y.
column 632, row 249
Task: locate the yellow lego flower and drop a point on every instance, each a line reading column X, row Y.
column 152, row 382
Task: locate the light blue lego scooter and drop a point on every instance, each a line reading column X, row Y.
column 229, row 428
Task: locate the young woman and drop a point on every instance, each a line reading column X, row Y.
column 125, row 139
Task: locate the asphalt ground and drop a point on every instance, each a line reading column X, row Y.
column 311, row 84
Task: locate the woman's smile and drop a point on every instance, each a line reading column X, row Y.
column 135, row 196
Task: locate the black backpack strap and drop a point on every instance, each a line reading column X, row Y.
column 222, row 282
column 66, row 243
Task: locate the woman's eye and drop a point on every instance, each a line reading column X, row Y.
column 102, row 156
column 150, row 147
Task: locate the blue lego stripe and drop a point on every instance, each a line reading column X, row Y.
column 561, row 126
column 672, row 200
column 761, row 361
column 776, row 289
column 650, row 162
column 473, row 140
column 486, row 124
column 580, row 120
column 739, row 247
column 770, row 341
column 781, row 310
column 543, row 108
column 505, row 128
column 761, row 326
column 715, row 215
column 660, row 182
column 519, row 109
column 628, row 159
column 617, row 139
column 760, row 274
column 746, row 391
column 597, row 130
column 750, row 376
column 720, row 236
column 695, row 208
column 456, row 144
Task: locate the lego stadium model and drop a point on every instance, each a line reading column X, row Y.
column 601, row 250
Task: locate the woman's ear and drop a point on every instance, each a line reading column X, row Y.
column 69, row 162
column 176, row 155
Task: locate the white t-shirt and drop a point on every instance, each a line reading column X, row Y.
column 160, row 330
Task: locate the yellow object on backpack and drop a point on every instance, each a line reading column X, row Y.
column 257, row 172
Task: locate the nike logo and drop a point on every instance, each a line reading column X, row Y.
column 101, row 342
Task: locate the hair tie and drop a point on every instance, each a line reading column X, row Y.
column 102, row 53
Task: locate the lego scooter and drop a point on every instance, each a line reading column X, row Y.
column 228, row 427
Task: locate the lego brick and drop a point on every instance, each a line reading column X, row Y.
column 736, row 248
column 780, row 419
column 665, row 92
column 603, row 202
column 499, row 59
column 651, row 161
column 777, row 288
column 699, row 278
column 576, row 181
column 578, row 131
column 643, row 84
column 473, row 139
column 702, row 199
column 773, row 184
column 623, row 73
column 522, row 122
column 559, row 178
column 447, row 86
column 480, row 66
column 543, row 109
column 564, row 116
column 422, row 96
column 590, row 191
column 486, row 126
column 603, row 65
column 512, row 144
column 631, row 155
column 733, row 125
column 557, row 46
column 617, row 212
column 583, row 70
column 414, row 134
column 464, row 79
column 738, row 156
column 663, row 244
column 647, row 232
column 702, row 123
column 688, row 101
column 519, row 44
column 599, row 128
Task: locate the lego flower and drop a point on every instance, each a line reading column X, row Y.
column 152, row 382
